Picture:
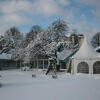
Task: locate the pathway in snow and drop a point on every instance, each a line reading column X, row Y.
column 19, row 85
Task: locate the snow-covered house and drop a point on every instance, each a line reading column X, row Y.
column 40, row 58
column 86, row 60
column 39, row 61
column 6, row 62
column 97, row 49
column 65, row 53
column 64, row 57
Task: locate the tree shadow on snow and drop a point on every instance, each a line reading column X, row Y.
column 16, row 84
column 0, row 85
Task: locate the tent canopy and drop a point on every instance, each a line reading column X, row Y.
column 86, row 51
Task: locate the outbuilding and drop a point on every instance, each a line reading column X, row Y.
column 86, row 60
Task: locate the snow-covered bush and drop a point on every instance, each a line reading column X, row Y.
column 25, row 68
column 34, row 75
column 54, row 76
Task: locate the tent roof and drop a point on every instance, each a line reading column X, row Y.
column 85, row 51
column 5, row 56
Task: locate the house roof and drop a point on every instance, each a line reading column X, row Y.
column 64, row 54
column 97, row 48
column 86, row 51
column 5, row 56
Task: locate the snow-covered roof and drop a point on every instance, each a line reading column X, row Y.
column 5, row 56
column 86, row 51
column 97, row 48
column 64, row 54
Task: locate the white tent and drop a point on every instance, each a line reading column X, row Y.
column 86, row 60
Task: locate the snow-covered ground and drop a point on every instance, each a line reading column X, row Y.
column 19, row 85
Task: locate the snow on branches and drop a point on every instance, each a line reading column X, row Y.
column 37, row 41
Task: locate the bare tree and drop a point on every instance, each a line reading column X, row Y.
column 96, row 40
column 59, row 29
column 5, row 45
column 28, row 43
column 10, row 42
column 14, row 35
column 32, row 34
column 46, row 42
column 43, row 41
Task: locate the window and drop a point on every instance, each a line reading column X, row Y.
column 96, row 67
column 83, row 67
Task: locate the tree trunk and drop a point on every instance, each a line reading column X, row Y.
column 58, row 67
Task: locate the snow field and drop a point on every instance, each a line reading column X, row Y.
column 20, row 85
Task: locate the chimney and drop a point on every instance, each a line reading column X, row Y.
column 73, row 40
column 80, row 39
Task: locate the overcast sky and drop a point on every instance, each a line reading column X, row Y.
column 83, row 15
